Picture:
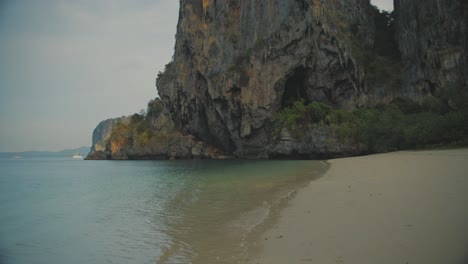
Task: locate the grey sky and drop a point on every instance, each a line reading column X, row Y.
column 383, row 4
column 66, row 65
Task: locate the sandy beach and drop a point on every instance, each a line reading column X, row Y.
column 403, row 207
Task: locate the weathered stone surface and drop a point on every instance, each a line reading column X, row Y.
column 237, row 63
column 318, row 142
column 102, row 133
column 166, row 142
column 433, row 40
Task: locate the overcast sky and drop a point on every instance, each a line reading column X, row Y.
column 383, row 4
column 66, row 65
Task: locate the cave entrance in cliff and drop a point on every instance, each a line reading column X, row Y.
column 295, row 88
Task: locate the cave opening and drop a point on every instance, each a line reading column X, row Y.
column 295, row 88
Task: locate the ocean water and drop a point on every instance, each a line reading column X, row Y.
column 56, row 210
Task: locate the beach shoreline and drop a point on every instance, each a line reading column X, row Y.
column 401, row 207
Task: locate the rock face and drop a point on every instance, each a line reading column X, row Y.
column 102, row 133
column 319, row 142
column 152, row 138
column 433, row 39
column 237, row 63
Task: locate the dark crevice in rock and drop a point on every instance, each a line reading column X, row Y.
column 207, row 114
column 295, row 87
column 234, row 91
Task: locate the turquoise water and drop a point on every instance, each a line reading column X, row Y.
column 69, row 211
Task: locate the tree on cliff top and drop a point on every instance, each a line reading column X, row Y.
column 168, row 75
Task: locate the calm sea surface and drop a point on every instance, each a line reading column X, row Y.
column 72, row 211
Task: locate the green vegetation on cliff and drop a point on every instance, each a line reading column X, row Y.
column 403, row 124
column 167, row 76
column 139, row 129
column 155, row 108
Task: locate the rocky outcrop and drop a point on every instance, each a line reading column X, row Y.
column 150, row 137
column 433, row 39
column 237, row 63
column 102, row 133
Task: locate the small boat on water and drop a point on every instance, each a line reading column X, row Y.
column 17, row 157
column 77, row 156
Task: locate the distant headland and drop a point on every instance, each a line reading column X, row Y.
column 44, row 153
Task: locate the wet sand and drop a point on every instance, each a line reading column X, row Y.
column 403, row 207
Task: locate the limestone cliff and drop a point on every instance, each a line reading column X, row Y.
column 239, row 66
column 237, row 63
column 433, row 39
